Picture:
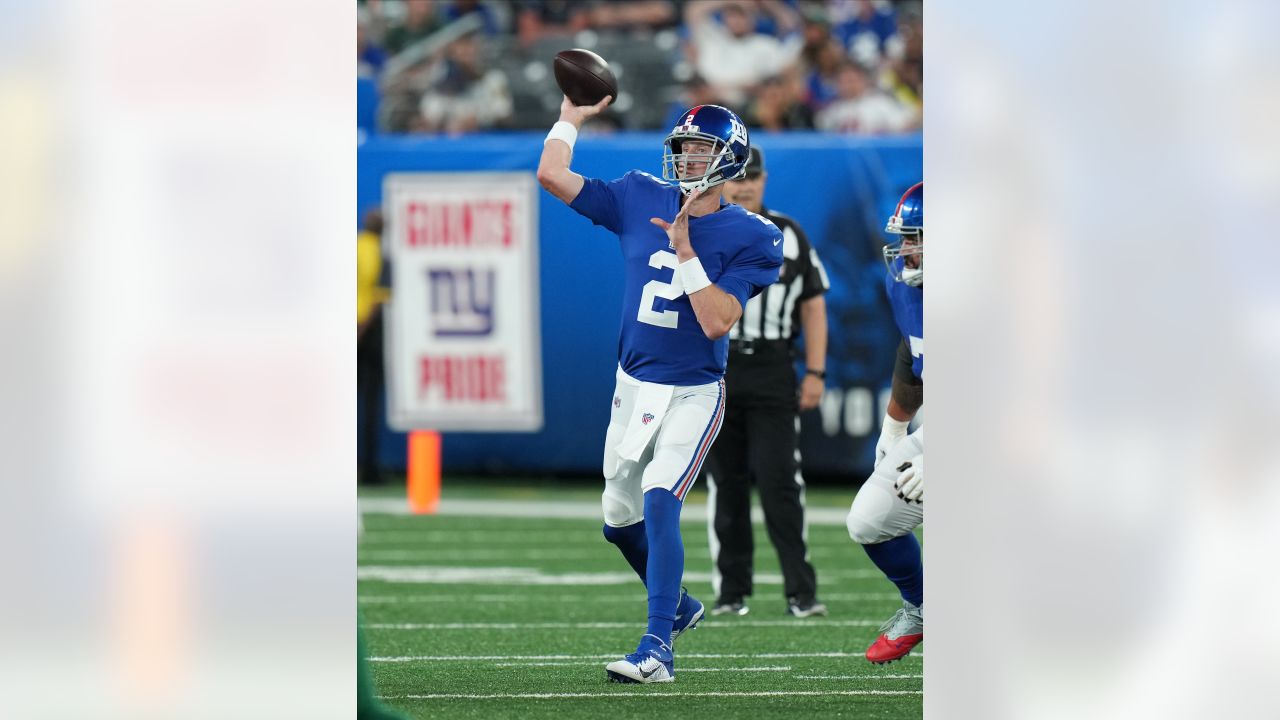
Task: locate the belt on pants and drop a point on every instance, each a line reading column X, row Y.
column 760, row 347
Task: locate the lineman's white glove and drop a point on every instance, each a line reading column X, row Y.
column 910, row 483
column 891, row 431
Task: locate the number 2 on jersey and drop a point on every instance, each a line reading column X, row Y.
column 658, row 289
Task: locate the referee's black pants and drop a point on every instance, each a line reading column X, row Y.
column 758, row 442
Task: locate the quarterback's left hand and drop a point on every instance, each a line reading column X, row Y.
column 678, row 229
column 910, row 483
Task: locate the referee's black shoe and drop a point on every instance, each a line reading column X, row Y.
column 730, row 606
column 805, row 608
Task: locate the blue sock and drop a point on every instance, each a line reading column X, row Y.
column 899, row 560
column 666, row 560
column 633, row 543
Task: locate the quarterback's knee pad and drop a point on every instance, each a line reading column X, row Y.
column 620, row 509
column 864, row 531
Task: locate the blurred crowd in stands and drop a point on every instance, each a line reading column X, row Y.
column 459, row 66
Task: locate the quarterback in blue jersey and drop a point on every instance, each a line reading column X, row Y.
column 890, row 505
column 691, row 263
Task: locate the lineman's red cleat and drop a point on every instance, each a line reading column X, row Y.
column 898, row 635
column 884, row 650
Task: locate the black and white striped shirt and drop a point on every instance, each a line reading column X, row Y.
column 774, row 314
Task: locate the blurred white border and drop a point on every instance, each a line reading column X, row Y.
column 176, row 260
column 1103, row 343
column 175, row 243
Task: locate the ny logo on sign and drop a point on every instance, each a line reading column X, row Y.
column 461, row 301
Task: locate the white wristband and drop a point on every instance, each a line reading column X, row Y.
column 894, row 427
column 692, row 276
column 563, row 130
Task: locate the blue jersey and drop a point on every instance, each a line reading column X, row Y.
column 661, row 340
column 908, row 313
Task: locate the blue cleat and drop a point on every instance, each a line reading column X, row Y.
column 652, row 662
column 688, row 612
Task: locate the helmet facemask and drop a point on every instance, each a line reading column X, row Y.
column 905, row 259
column 675, row 162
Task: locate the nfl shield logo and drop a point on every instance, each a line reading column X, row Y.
column 646, row 418
column 617, row 401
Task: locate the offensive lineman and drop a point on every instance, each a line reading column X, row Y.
column 890, row 505
column 686, row 282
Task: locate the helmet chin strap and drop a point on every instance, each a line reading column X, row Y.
column 690, row 187
column 913, row 277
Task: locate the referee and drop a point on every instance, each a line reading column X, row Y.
column 758, row 440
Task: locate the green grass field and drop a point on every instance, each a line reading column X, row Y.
column 468, row 614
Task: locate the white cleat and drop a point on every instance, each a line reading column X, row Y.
column 651, row 663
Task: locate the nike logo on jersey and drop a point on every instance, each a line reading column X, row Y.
column 775, row 242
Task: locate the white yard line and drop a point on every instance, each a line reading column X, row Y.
column 744, row 669
column 858, row 677
column 524, row 598
column 461, row 554
column 695, row 513
column 455, row 575
column 574, row 663
column 548, row 536
column 450, row 575
column 593, row 663
column 650, row 694
column 685, row 656
column 860, row 596
column 564, row 510
column 734, row 623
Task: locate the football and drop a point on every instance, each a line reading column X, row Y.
column 584, row 77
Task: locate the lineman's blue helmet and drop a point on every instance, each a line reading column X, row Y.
column 905, row 258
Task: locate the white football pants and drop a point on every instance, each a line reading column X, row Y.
column 658, row 437
column 877, row 513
